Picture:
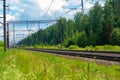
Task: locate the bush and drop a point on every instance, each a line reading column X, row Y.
column 79, row 39
column 82, row 39
column 73, row 47
column 89, row 48
column 71, row 42
column 92, row 39
column 115, row 37
column 36, row 46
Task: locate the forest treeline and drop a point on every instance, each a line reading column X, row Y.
column 99, row 26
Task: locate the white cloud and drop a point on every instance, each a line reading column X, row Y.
column 36, row 9
column 10, row 17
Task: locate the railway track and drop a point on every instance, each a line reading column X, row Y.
column 110, row 56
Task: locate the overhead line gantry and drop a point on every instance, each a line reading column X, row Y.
column 30, row 21
column 26, row 23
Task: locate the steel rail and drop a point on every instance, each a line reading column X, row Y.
column 103, row 55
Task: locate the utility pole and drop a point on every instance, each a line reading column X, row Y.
column 8, row 35
column 43, row 40
column 82, row 5
column 61, row 37
column 4, row 23
column 13, row 36
column 83, row 13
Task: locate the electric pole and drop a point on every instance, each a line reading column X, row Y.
column 13, row 36
column 4, row 24
column 82, row 4
column 8, row 35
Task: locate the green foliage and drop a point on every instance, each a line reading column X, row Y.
column 1, row 44
column 115, row 37
column 73, row 39
column 92, row 39
column 72, row 47
column 79, row 21
column 36, row 46
column 27, row 65
column 95, row 15
column 71, row 42
column 82, row 39
column 103, row 48
column 107, row 48
column 89, row 48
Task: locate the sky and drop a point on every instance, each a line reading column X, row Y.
column 42, row 10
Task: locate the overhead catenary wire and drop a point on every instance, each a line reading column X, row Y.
column 69, row 10
column 82, row 9
column 48, row 9
column 64, row 13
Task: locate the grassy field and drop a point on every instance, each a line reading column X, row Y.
column 27, row 65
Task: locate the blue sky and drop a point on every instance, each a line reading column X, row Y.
column 36, row 9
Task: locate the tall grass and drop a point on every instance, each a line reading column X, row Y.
column 89, row 48
column 48, row 46
column 26, row 65
column 103, row 48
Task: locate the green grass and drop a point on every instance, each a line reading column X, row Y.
column 103, row 48
column 89, row 48
column 48, row 47
column 27, row 65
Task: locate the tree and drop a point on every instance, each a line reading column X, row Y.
column 96, row 21
column 73, row 40
column 70, row 28
column 116, row 8
column 109, row 21
column 115, row 37
column 82, row 39
column 61, row 24
column 95, row 15
column 92, row 39
column 79, row 21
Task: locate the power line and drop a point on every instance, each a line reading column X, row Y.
column 66, row 12
column 48, row 9
column 70, row 9
column 82, row 9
